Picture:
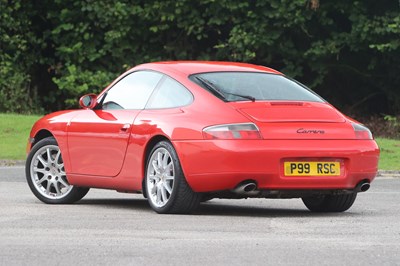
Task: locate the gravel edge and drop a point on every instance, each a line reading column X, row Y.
column 381, row 173
column 5, row 163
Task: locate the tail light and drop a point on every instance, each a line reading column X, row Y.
column 232, row 131
column 361, row 132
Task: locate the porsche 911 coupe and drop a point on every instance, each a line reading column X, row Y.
column 185, row 132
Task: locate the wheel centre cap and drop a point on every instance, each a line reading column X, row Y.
column 53, row 171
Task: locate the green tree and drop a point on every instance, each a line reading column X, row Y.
column 348, row 51
column 17, row 93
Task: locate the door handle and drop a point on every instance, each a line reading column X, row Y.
column 125, row 127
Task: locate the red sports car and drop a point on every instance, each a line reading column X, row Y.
column 186, row 132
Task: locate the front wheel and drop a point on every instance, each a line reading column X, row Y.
column 330, row 203
column 166, row 187
column 46, row 175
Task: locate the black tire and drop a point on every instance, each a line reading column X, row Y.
column 46, row 176
column 164, row 174
column 330, row 203
column 206, row 198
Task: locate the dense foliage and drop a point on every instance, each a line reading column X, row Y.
column 54, row 51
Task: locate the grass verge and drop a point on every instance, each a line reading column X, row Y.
column 14, row 132
column 390, row 154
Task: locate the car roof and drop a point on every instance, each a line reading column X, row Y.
column 193, row 67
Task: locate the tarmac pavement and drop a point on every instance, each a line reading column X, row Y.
column 107, row 227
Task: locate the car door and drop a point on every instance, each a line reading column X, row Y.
column 98, row 139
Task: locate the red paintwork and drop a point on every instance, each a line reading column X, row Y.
column 107, row 149
column 224, row 164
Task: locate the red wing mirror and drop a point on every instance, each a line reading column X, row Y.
column 88, row 101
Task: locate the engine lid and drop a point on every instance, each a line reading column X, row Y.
column 296, row 120
column 292, row 112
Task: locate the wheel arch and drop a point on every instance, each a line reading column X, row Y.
column 61, row 142
column 41, row 134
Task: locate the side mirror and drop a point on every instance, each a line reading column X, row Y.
column 88, row 101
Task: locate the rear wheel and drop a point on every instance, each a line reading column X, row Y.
column 330, row 203
column 46, row 175
column 166, row 187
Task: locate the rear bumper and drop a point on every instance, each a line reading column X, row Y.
column 217, row 165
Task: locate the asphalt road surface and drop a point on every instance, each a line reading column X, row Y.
column 109, row 228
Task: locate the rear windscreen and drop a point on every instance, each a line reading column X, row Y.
column 242, row 86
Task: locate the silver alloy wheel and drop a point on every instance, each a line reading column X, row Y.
column 160, row 177
column 48, row 173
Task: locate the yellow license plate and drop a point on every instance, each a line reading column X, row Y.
column 312, row 168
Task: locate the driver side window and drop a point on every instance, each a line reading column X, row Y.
column 132, row 91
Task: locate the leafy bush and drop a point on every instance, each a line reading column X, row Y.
column 347, row 51
column 77, row 82
column 17, row 93
column 386, row 126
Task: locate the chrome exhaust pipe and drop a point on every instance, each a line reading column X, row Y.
column 248, row 188
column 362, row 186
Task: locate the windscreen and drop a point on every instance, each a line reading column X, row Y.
column 245, row 86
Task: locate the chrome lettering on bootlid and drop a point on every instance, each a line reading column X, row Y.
column 310, row 131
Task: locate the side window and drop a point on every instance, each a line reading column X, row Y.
column 170, row 94
column 132, row 91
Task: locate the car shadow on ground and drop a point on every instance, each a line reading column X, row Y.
column 215, row 208
column 139, row 204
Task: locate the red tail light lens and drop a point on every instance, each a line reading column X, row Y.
column 362, row 132
column 232, row 131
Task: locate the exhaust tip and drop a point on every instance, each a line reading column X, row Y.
column 249, row 187
column 364, row 187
